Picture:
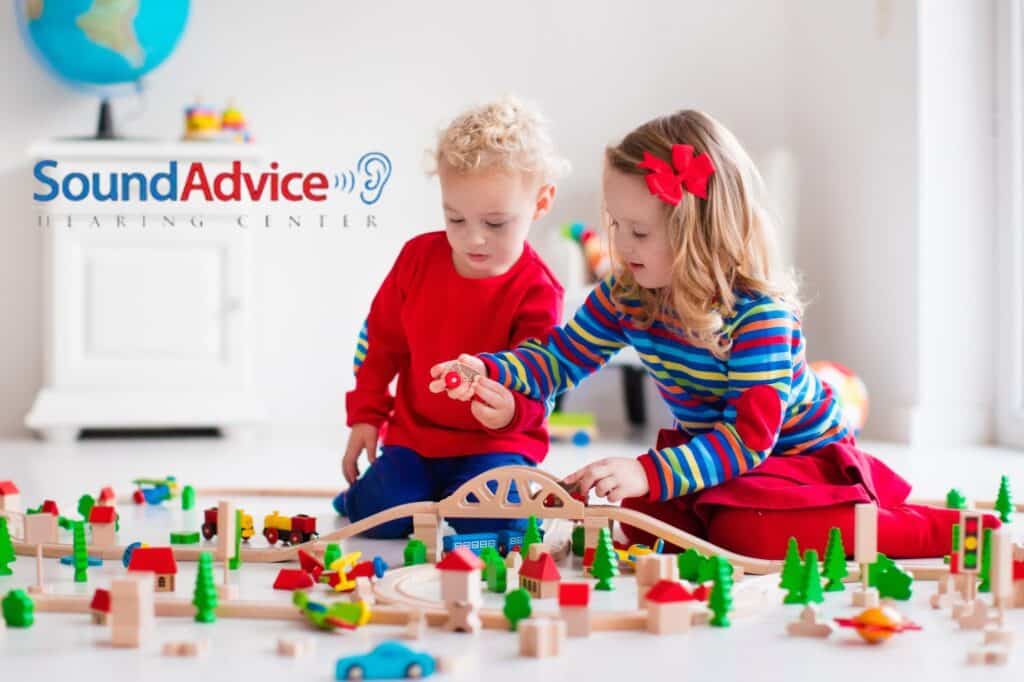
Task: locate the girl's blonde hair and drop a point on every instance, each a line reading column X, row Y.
column 723, row 244
column 506, row 134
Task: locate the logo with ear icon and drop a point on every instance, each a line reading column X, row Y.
column 371, row 175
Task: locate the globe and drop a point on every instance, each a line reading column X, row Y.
column 102, row 46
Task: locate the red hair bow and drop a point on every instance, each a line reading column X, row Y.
column 691, row 172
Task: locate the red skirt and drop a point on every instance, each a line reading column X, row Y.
column 803, row 496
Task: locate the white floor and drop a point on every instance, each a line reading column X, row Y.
column 60, row 646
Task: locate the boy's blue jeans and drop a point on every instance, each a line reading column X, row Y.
column 401, row 475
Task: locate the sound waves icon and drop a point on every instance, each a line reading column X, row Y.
column 372, row 172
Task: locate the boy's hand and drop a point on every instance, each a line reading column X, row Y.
column 496, row 408
column 614, row 478
column 362, row 437
column 471, row 365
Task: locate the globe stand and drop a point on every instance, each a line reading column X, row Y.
column 105, row 124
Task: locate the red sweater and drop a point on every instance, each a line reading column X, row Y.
column 424, row 313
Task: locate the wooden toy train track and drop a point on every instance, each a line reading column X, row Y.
column 485, row 496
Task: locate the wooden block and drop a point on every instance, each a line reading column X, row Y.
column 591, row 529
column 974, row 615
column 810, row 624
column 186, row 648
column 865, row 598
column 999, row 636
column 41, row 529
column 225, row 530
column 670, row 618
column 1001, row 572
column 464, row 616
column 416, row 627
column 541, row 637
column 578, row 622
column 295, row 648
column 865, row 525
column 988, row 655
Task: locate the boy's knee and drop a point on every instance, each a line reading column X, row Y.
column 390, row 530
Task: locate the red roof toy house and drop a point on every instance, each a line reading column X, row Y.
column 574, row 605
column 669, row 607
column 104, row 526
column 102, row 515
column 460, row 576
column 106, row 497
column 158, row 560
column 100, row 607
column 10, row 497
column 50, row 507
column 540, row 576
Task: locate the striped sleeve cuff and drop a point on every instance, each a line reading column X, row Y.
column 492, row 368
column 653, row 480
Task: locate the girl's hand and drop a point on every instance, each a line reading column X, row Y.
column 470, row 365
column 496, row 408
column 614, row 478
column 362, row 437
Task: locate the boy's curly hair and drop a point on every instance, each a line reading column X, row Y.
column 506, row 134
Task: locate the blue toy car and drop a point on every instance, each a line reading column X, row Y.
column 390, row 660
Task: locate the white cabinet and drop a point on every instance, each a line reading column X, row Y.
column 147, row 303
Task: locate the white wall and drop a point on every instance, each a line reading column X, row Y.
column 851, row 123
column 325, row 83
column 889, row 113
column 957, row 232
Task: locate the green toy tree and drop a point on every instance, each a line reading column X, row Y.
column 706, row 570
column 1004, row 502
column 791, row 579
column 415, row 553
column 955, row 499
column 811, row 583
column 6, row 548
column 891, row 581
column 530, row 537
column 18, row 609
column 578, row 540
column 689, row 564
column 333, row 552
column 835, row 561
column 79, row 552
column 235, row 562
column 85, row 505
column 205, row 596
column 517, row 607
column 487, row 555
column 496, row 574
column 720, row 602
column 606, row 562
column 188, row 497
column 986, row 561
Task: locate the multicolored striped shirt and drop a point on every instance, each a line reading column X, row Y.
column 701, row 390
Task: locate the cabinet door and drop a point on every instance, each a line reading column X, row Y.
column 151, row 307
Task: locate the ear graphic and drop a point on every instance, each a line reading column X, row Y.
column 376, row 169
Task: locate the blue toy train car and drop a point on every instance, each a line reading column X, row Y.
column 504, row 541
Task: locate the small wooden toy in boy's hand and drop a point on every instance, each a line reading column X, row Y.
column 457, row 377
column 465, row 378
